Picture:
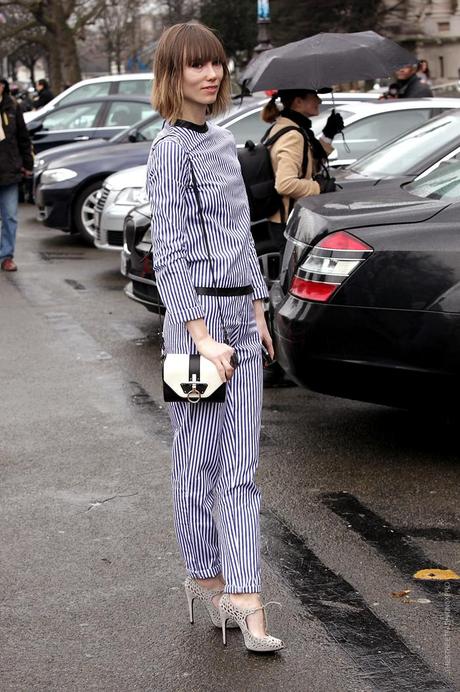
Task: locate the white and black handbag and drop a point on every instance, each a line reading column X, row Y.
column 191, row 377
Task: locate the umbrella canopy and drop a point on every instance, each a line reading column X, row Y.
column 326, row 59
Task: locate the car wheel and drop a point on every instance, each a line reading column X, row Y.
column 84, row 213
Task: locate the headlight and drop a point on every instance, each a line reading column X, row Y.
column 131, row 196
column 57, row 175
column 39, row 163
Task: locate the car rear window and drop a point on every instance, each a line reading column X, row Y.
column 126, row 113
column 135, row 87
column 86, row 91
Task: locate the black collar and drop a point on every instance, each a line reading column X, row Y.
column 297, row 117
column 191, row 126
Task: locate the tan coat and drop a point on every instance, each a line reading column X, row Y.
column 287, row 157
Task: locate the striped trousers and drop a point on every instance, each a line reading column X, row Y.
column 215, row 455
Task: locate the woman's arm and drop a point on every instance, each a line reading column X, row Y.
column 167, row 182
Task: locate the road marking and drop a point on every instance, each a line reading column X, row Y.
column 389, row 542
column 384, row 659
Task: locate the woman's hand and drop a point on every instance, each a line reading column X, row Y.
column 262, row 327
column 219, row 354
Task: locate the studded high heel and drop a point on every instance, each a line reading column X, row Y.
column 228, row 609
column 194, row 590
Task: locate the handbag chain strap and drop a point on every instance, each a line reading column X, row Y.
column 206, row 241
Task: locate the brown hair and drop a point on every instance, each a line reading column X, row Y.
column 271, row 111
column 180, row 45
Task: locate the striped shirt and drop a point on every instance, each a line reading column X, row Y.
column 180, row 259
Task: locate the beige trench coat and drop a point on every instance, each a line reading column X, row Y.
column 287, row 157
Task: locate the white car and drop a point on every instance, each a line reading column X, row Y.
column 139, row 84
column 120, row 193
column 368, row 126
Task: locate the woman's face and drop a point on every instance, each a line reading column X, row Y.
column 309, row 105
column 201, row 82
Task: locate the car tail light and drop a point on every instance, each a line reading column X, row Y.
column 327, row 265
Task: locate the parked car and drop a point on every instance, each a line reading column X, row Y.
column 119, row 194
column 67, row 178
column 406, row 157
column 101, row 117
column 108, row 85
column 368, row 302
column 112, row 204
column 57, row 199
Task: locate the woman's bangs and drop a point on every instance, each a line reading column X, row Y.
column 203, row 47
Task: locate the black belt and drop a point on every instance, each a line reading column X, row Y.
column 230, row 291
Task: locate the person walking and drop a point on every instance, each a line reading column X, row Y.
column 215, row 448
column 45, row 95
column 297, row 156
column 16, row 160
column 408, row 85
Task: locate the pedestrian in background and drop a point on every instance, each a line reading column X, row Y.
column 215, row 445
column 423, row 72
column 16, row 160
column 45, row 95
column 294, row 179
column 408, row 85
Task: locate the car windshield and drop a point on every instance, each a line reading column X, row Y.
column 404, row 154
column 442, row 183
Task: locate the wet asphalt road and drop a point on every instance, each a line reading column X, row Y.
column 356, row 500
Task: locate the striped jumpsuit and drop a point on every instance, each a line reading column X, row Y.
column 215, row 445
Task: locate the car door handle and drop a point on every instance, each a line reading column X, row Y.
column 82, row 138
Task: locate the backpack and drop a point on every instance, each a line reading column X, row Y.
column 258, row 175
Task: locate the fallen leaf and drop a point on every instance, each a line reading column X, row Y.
column 400, row 594
column 436, row 574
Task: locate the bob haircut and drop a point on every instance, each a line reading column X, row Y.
column 181, row 45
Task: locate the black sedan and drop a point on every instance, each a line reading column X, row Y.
column 368, row 302
column 101, row 117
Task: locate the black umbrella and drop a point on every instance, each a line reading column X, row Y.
column 326, row 59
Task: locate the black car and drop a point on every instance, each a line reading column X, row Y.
column 99, row 117
column 368, row 302
column 406, row 157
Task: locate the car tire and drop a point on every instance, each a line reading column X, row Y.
column 83, row 213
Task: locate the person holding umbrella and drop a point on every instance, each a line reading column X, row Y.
column 297, row 157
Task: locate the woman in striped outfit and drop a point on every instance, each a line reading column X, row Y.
column 215, row 446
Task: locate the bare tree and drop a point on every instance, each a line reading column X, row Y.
column 54, row 24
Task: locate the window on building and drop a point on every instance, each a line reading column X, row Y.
column 443, row 26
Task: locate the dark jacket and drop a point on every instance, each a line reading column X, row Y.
column 16, row 148
column 412, row 88
column 44, row 97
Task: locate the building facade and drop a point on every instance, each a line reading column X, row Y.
column 430, row 28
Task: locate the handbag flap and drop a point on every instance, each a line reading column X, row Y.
column 176, row 372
